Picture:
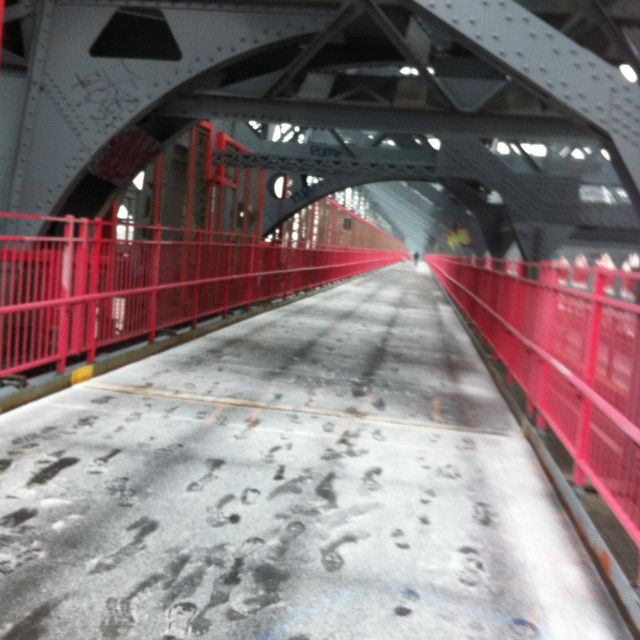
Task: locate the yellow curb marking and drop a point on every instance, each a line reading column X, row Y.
column 82, row 374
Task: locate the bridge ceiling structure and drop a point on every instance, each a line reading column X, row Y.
column 513, row 113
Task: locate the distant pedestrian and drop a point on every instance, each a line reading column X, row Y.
column 416, row 256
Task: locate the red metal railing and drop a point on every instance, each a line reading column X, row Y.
column 571, row 339
column 84, row 289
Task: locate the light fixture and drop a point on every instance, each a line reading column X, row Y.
column 435, row 143
column 605, row 154
column 138, row 181
column 503, row 148
column 535, row 149
column 628, row 72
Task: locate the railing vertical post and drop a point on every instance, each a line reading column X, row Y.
column 66, row 282
column 94, row 284
column 79, row 314
column 226, row 272
column 633, row 404
column 250, row 272
column 633, row 411
column 545, row 312
column 593, row 340
column 155, row 281
column 196, row 276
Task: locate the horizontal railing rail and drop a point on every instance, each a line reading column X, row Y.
column 85, row 288
column 571, row 339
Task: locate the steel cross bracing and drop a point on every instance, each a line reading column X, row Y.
column 574, row 79
column 93, row 118
column 532, row 200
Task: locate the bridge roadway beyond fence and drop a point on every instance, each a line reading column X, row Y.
column 340, row 468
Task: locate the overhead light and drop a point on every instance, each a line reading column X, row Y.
column 409, row 71
column 605, row 154
column 417, row 140
column 138, row 181
column 431, row 71
column 503, row 149
column 578, row 154
column 515, row 149
column 435, row 143
column 628, row 72
column 535, row 149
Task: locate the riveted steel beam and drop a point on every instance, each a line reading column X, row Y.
column 346, row 16
column 328, row 161
column 79, row 102
column 537, row 197
column 614, row 32
column 406, row 50
column 388, row 119
column 573, row 79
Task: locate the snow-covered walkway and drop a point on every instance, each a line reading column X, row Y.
column 342, row 468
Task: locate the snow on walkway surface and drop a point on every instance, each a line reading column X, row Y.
column 340, row 468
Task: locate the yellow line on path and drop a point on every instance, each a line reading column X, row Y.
column 243, row 403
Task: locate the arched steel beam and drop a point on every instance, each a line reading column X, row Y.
column 531, row 201
column 276, row 210
column 82, row 116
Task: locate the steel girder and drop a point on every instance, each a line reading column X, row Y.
column 379, row 118
column 531, row 200
column 322, row 160
column 575, row 80
column 83, row 113
column 81, row 110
